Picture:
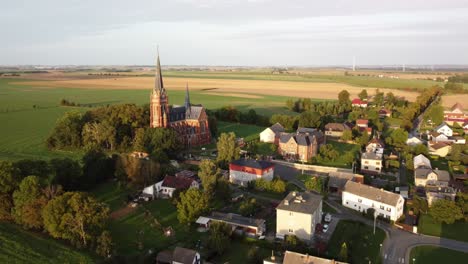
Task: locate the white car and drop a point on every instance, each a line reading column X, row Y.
column 325, row 228
column 328, row 218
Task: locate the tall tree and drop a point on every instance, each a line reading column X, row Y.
column 343, row 97
column 220, row 237
column 9, row 177
column 363, row 94
column 104, row 244
column 192, row 204
column 76, row 217
column 314, row 184
column 209, row 174
column 445, row 211
column 228, row 149
column 97, row 167
column 397, row 138
column 28, row 202
column 309, row 119
column 39, row 168
column 66, row 172
column 67, row 132
column 161, row 140
column 347, row 135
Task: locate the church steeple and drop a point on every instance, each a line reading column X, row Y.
column 158, row 85
column 187, row 100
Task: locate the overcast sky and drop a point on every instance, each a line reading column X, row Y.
column 234, row 32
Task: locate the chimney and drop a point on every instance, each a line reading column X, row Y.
column 286, row 202
column 294, row 194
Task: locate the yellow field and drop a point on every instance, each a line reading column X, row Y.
column 226, row 86
column 449, row 100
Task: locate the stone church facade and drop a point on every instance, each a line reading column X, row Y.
column 189, row 121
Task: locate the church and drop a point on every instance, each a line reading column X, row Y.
column 189, row 121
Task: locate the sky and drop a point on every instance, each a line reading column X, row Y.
column 234, row 32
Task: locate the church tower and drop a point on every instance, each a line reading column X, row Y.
column 159, row 101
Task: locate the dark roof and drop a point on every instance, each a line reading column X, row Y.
column 164, row 257
column 439, row 145
column 372, row 193
column 339, row 179
column 304, row 202
column 236, row 219
column 277, row 128
column 176, row 113
column 195, row 112
column 158, row 83
column 177, row 182
column 336, row 127
column 285, row 137
column 377, row 141
column 183, row 255
column 371, row 155
column 422, row 173
column 251, row 163
column 306, row 130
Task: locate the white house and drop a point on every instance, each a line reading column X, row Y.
column 437, row 137
column 298, row 214
column 444, row 129
column 440, row 149
column 361, row 197
column 375, row 145
column 166, row 187
column 371, row 163
column 420, row 161
column 424, row 177
column 243, row 171
column 413, row 141
column 271, row 134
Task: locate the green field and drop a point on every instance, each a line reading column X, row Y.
column 248, row 132
column 28, row 114
column 342, row 148
column 20, row 246
column 457, row 230
column 436, row 255
column 363, row 245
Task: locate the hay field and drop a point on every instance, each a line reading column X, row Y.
column 319, row 90
column 449, row 100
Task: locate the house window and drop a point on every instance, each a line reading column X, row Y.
column 382, row 207
column 377, row 169
column 378, row 163
column 359, row 200
column 366, row 168
column 290, row 230
column 290, row 213
column 389, row 209
column 346, row 202
column 366, row 162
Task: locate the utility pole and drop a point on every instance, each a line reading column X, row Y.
column 354, row 63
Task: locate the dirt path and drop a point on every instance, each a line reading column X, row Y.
column 119, row 213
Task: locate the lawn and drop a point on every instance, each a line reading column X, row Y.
column 20, row 246
column 436, row 255
column 111, row 194
column 343, row 149
column 457, row 230
column 363, row 245
column 248, row 132
column 237, row 251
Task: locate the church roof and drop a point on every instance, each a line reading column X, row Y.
column 195, row 112
column 158, row 84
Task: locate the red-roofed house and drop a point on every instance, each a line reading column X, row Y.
column 385, row 113
column 359, row 103
column 167, row 186
column 362, row 123
column 243, row 171
column 456, row 114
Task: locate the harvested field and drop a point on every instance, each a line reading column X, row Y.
column 321, row 90
column 449, row 100
column 252, row 96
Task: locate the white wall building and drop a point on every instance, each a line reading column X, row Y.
column 413, row 141
column 271, row 134
column 298, row 214
column 420, row 161
column 361, row 197
column 371, row 163
column 243, row 171
column 444, row 129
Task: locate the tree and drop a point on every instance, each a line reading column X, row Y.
column 420, row 149
column 28, row 203
column 462, row 202
column 420, row 205
column 9, row 177
column 192, row 204
column 209, row 174
column 104, row 244
column 309, row 119
column 139, row 140
column 363, row 94
column 161, row 140
column 101, row 134
column 435, row 113
column 220, row 237
column 293, row 243
column 213, row 123
column 445, row 211
column 39, row 168
column 97, row 167
column 66, row 172
column 343, row 97
column 455, row 152
column 314, row 184
column 290, row 104
column 278, row 185
column 67, row 132
column 228, row 149
column 344, row 252
column 378, row 98
column 76, row 217
column 364, row 139
column 397, row 138
column 248, row 207
column 347, row 135
column 5, row 206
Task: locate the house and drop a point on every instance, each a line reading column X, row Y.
column 371, row 163
column 359, row 103
column 298, row 214
column 444, row 129
column 440, row 149
column 384, row 113
column 243, row 171
column 361, row 197
column 291, row 257
column 465, row 127
column 437, row 137
column 362, row 123
column 413, row 141
column 240, row 224
column 336, row 129
column 426, row 176
column 457, row 140
column 455, row 115
column 434, row 193
column 180, row 255
column 271, row 134
column 420, row 161
column 166, row 187
column 302, row 145
column 338, row 180
column 375, row 145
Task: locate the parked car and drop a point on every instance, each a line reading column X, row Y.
column 328, row 218
column 325, row 228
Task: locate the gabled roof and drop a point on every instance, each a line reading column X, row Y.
column 195, row 112
column 304, row 202
column 183, row 255
column 441, row 126
column 371, row 156
column 439, row 145
column 336, row 127
column 277, row 128
column 358, row 101
column 457, row 106
column 422, row 173
column 376, row 141
column 384, row 111
column 251, row 163
column 372, row 193
column 306, row 130
column 285, row 137
column 177, row 182
column 421, row 161
column 362, row 122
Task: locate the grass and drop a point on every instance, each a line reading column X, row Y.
column 435, row 255
column 111, row 194
column 248, row 132
column 20, row 246
column 363, row 245
column 328, row 209
column 457, row 230
column 237, row 252
column 343, row 149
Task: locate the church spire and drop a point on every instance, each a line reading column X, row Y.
column 187, row 99
column 158, row 85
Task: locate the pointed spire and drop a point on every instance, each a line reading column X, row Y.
column 187, row 99
column 158, row 85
